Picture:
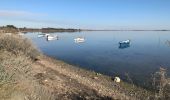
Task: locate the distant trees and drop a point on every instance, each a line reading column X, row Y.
column 9, row 29
column 14, row 29
column 46, row 30
column 11, row 26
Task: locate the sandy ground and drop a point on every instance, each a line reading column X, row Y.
column 68, row 82
column 51, row 79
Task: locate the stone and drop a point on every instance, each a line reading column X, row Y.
column 117, row 79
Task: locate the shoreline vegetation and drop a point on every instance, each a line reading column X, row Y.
column 27, row 74
column 13, row 29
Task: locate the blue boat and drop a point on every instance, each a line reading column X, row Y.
column 124, row 44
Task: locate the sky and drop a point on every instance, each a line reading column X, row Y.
column 86, row 14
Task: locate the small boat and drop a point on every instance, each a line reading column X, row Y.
column 79, row 39
column 50, row 37
column 124, row 42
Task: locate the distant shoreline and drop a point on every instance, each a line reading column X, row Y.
column 125, row 30
column 13, row 29
column 46, row 30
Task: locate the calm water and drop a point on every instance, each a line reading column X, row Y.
column 100, row 52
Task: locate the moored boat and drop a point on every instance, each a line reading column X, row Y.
column 124, row 42
column 79, row 39
column 50, row 37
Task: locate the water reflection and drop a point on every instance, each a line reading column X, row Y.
column 41, row 35
column 123, row 46
column 167, row 43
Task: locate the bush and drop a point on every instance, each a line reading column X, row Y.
column 16, row 59
column 17, row 45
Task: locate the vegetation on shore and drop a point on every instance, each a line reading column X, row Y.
column 13, row 29
column 26, row 74
column 16, row 58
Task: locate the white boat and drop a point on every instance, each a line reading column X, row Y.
column 79, row 39
column 50, row 37
column 124, row 42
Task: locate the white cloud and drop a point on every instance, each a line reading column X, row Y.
column 29, row 18
column 15, row 13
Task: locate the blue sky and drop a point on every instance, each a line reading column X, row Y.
column 90, row 14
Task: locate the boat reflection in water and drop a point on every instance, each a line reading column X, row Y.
column 167, row 43
column 124, row 44
column 41, row 35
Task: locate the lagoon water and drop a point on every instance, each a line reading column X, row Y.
column 101, row 52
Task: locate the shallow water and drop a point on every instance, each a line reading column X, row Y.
column 102, row 53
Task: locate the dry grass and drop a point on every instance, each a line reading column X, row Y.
column 11, row 69
column 16, row 78
column 16, row 56
column 17, row 81
column 16, row 45
column 4, row 76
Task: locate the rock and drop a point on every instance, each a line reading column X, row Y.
column 46, row 80
column 117, row 79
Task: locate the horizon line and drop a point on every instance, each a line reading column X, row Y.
column 86, row 29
